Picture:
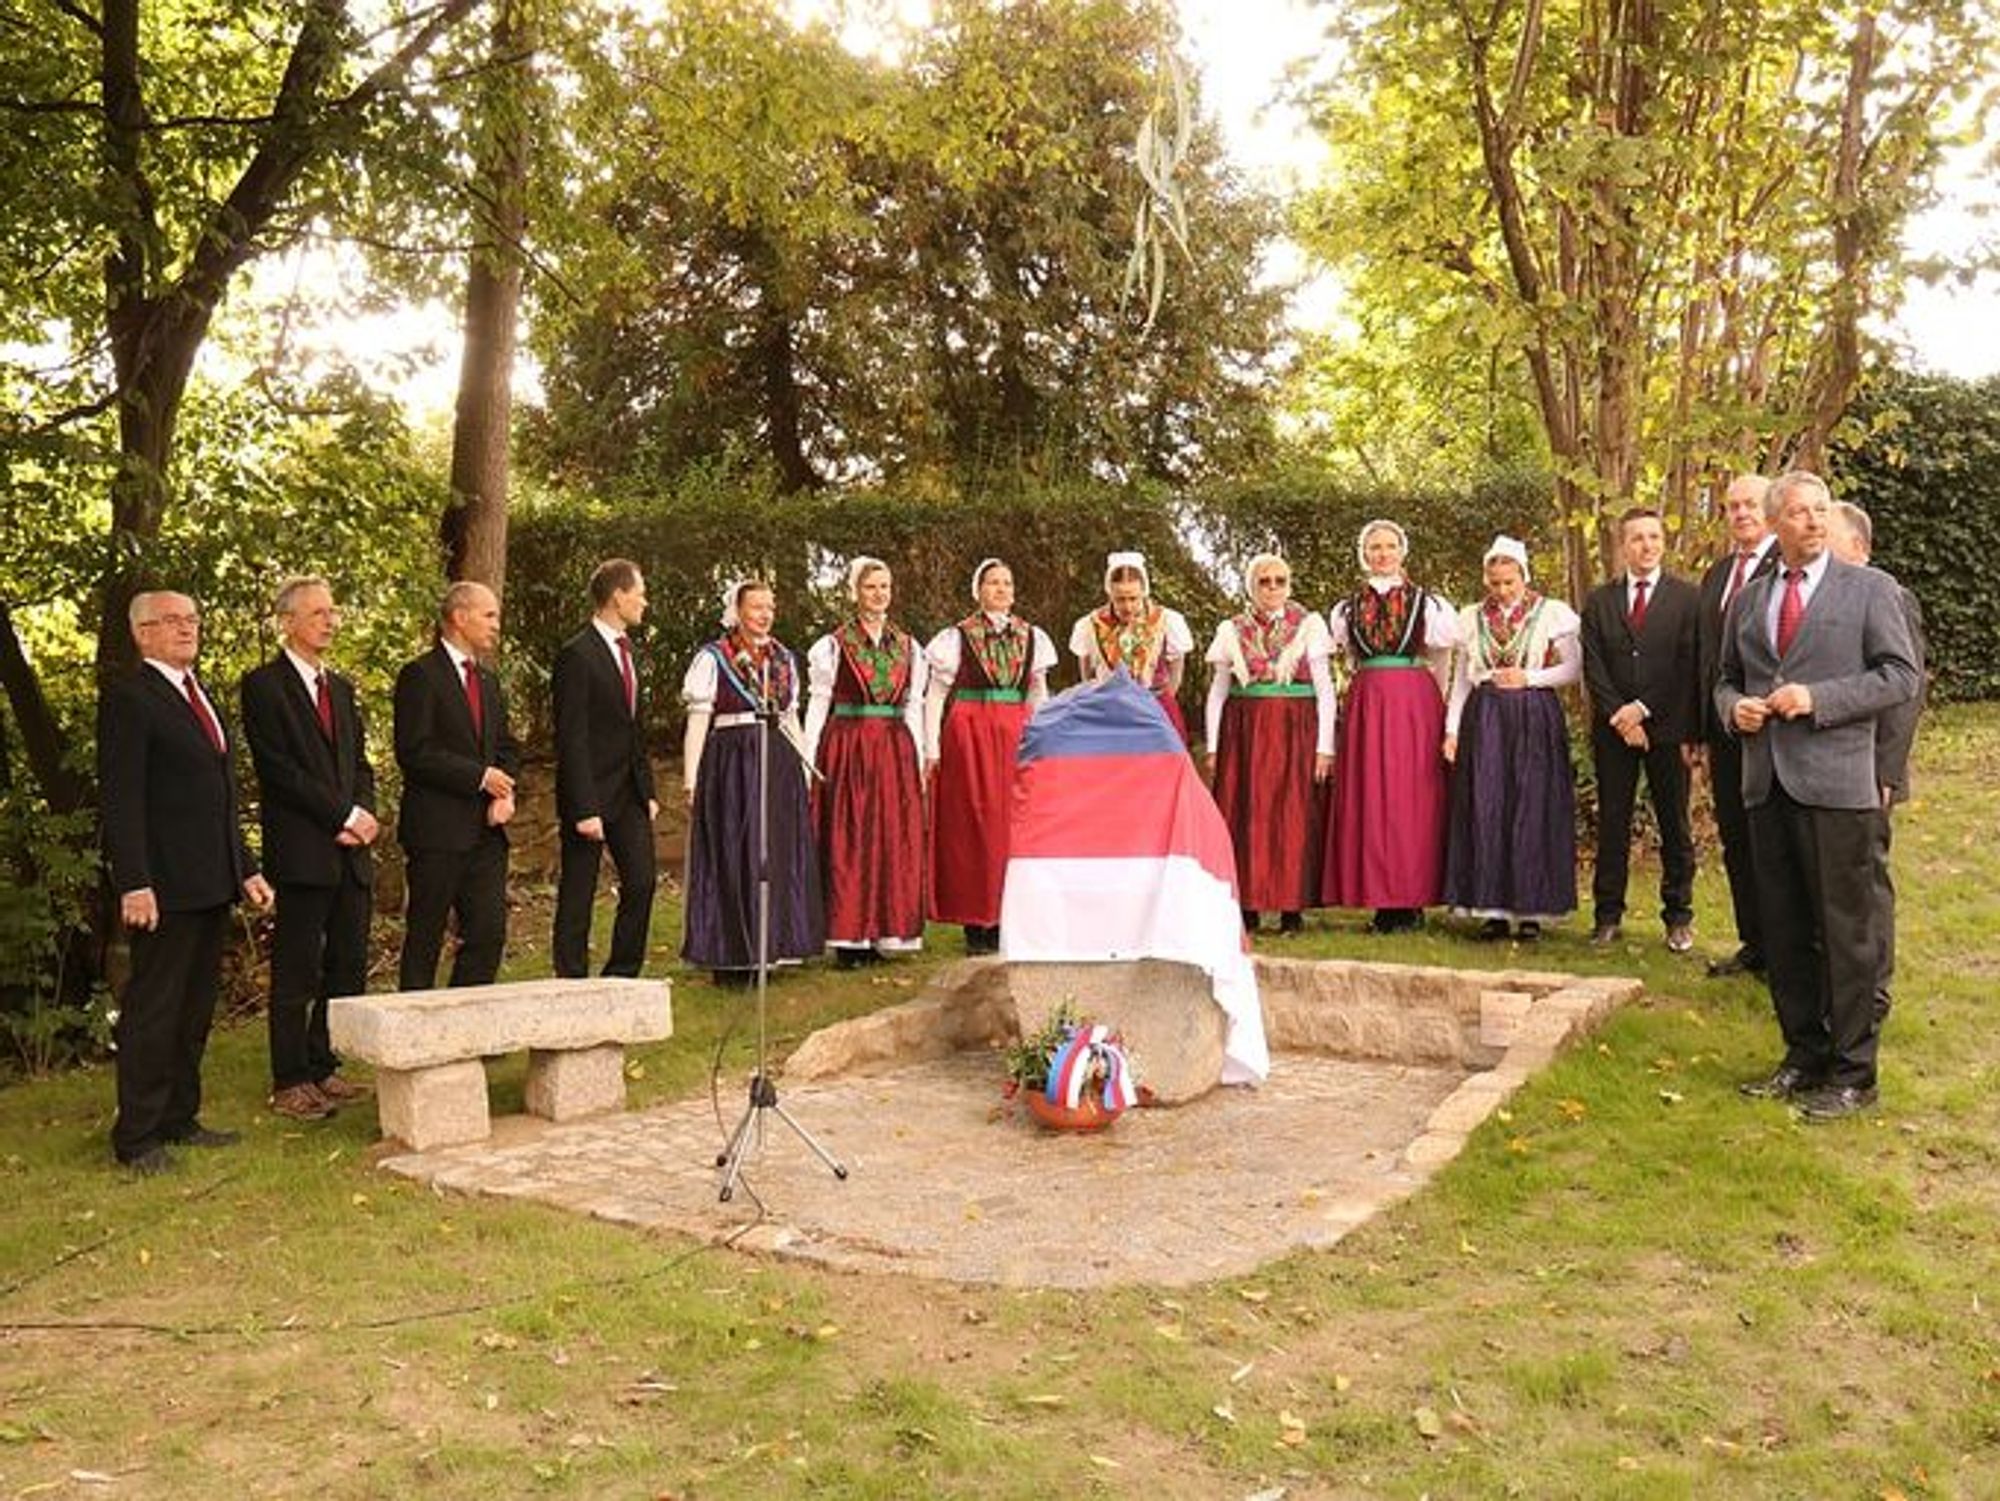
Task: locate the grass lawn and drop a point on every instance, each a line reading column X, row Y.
column 1634, row 1284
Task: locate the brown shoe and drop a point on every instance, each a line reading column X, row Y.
column 301, row 1102
column 339, row 1091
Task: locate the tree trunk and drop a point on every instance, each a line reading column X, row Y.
column 42, row 738
column 474, row 527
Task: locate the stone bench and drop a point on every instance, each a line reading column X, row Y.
column 428, row 1046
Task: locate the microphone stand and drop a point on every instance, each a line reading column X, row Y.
column 763, row 1090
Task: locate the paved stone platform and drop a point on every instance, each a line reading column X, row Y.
column 948, row 1180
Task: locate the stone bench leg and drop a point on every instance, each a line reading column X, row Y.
column 434, row 1107
column 570, row 1082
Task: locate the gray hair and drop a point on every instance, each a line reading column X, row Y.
column 140, row 611
column 460, row 596
column 1786, row 483
column 1857, row 522
column 287, row 597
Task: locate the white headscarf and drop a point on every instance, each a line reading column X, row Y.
column 1117, row 560
column 732, row 593
column 1512, row 548
column 979, row 573
column 1262, row 560
column 1379, row 524
column 856, row 570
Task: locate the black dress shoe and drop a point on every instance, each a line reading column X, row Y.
column 149, row 1164
column 1836, row 1102
column 1783, row 1083
column 1493, row 930
column 1742, row 962
column 1291, row 922
column 1605, row 934
column 1251, row 920
column 1529, row 931
column 199, row 1135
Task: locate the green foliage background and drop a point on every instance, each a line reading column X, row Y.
column 1926, row 467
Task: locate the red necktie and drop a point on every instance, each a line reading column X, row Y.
column 1736, row 575
column 631, row 677
column 1638, row 616
column 1791, row 609
column 202, row 715
column 323, row 705
column 472, row 699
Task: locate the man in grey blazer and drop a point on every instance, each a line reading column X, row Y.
column 1814, row 655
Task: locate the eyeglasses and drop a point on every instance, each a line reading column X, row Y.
column 174, row 622
column 1273, row 583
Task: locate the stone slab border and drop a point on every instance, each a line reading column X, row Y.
column 428, row 1049
column 1502, row 1025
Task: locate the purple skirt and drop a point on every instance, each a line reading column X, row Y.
column 721, row 930
column 1385, row 844
column 1513, row 807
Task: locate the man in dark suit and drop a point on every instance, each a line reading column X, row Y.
column 175, row 848
column 604, row 778
column 1851, row 536
column 1751, row 554
column 1639, row 663
column 1815, row 655
column 459, row 762
column 317, row 812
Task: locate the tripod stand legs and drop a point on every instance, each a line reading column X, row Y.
column 764, row 1097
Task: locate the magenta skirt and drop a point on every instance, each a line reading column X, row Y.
column 1385, row 842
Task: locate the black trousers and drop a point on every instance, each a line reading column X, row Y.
column 468, row 885
column 1732, row 822
column 1885, row 903
column 628, row 838
column 1820, row 882
column 1618, row 767
column 319, row 950
column 162, row 1031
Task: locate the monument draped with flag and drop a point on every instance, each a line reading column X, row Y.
column 1116, row 852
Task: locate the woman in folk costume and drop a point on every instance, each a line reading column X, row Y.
column 1385, row 844
column 864, row 729
column 1271, row 712
column 1513, row 796
column 730, row 679
column 1148, row 640
column 987, row 674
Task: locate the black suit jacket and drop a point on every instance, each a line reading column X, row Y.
column 308, row 785
column 1713, row 581
column 601, row 763
column 168, row 801
column 1658, row 667
column 441, row 756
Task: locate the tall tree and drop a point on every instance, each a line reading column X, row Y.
column 1668, row 227
column 169, row 148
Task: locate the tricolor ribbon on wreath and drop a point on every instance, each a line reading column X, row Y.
column 1092, row 1052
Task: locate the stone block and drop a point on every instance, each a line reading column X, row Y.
column 1169, row 1019
column 1433, row 1036
column 566, row 1084
column 971, row 1009
column 1501, row 1013
column 434, row 1107
column 414, row 1029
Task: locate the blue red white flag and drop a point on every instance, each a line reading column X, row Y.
column 1117, row 851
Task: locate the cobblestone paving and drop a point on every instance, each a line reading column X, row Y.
column 947, row 1180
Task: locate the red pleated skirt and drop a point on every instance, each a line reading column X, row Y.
column 869, row 817
column 970, row 798
column 1386, row 843
column 1276, row 813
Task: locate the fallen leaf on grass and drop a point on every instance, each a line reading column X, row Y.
column 1429, row 1424
column 1275, row 1493
column 1043, row 1399
column 1105, row 1462
column 1237, row 1375
column 1168, row 1331
column 1342, row 1382
column 1572, row 1110
column 1671, row 1097
column 1224, row 1411
column 1291, row 1429
column 1252, row 1294
column 1466, row 1247
column 91, row 1477
column 1627, row 1462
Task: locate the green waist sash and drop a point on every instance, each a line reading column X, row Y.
column 991, row 695
column 1393, row 662
column 867, row 711
column 1270, row 690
